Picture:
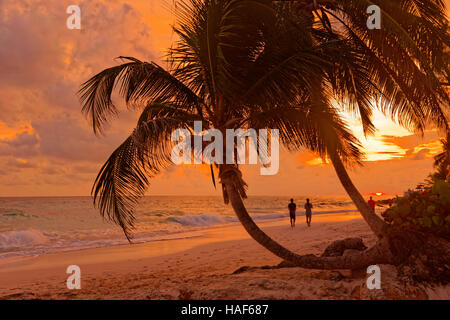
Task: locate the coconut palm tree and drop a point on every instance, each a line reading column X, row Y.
column 442, row 160
column 245, row 64
column 405, row 68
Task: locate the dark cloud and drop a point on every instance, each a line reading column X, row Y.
column 23, row 145
column 20, row 164
column 53, row 170
column 411, row 141
column 86, row 168
column 23, row 139
column 63, row 137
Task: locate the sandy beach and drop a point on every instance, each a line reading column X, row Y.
column 182, row 124
column 199, row 267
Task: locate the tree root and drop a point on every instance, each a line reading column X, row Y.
column 417, row 256
column 338, row 247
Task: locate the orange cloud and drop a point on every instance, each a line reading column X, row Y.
column 7, row 133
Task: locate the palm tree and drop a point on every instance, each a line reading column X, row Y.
column 442, row 160
column 405, row 68
column 245, row 64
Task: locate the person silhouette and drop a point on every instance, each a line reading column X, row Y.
column 308, row 212
column 371, row 204
column 292, row 207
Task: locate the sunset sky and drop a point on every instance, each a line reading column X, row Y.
column 48, row 149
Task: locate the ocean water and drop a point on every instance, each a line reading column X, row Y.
column 33, row 226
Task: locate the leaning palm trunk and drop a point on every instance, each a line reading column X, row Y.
column 401, row 248
column 380, row 253
column 375, row 223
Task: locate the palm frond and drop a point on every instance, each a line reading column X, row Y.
column 124, row 177
column 406, row 57
column 119, row 185
column 139, row 83
column 218, row 40
column 313, row 126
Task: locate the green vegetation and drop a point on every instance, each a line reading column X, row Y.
column 427, row 210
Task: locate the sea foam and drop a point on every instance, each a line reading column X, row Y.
column 19, row 239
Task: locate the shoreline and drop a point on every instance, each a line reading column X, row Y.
column 193, row 268
column 187, row 239
column 191, row 231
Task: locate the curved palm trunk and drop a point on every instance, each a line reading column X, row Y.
column 375, row 223
column 377, row 254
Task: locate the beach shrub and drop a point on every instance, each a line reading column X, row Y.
column 427, row 210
